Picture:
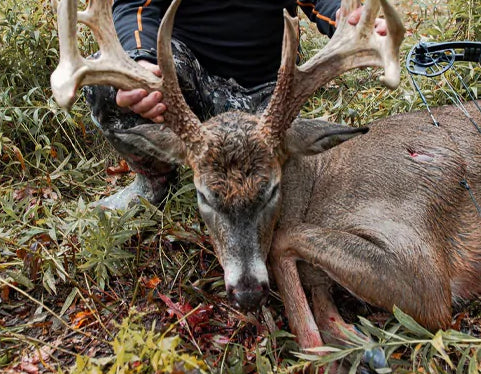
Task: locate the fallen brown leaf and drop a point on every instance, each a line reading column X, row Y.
column 81, row 318
column 152, row 283
column 121, row 168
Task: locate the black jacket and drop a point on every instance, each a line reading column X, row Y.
column 238, row 39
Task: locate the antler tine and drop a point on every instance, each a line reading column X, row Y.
column 114, row 67
column 275, row 112
column 350, row 47
column 185, row 123
column 54, row 5
column 63, row 85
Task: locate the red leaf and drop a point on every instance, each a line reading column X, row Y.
column 21, row 253
column 194, row 318
column 221, row 339
column 48, row 193
column 82, row 128
column 23, row 193
column 201, row 315
column 29, row 368
column 19, row 155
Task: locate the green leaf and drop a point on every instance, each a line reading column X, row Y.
column 409, row 323
column 69, row 300
column 354, row 337
column 383, row 370
column 21, row 279
column 438, row 344
column 4, row 359
column 458, row 336
column 462, row 361
column 334, row 356
column 262, row 363
column 49, row 280
column 279, row 333
column 323, row 349
column 473, row 366
column 355, row 363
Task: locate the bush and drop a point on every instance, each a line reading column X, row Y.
column 36, row 137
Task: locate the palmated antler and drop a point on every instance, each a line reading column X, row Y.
column 351, row 47
column 115, row 68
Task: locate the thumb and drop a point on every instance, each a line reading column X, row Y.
column 355, row 16
column 153, row 68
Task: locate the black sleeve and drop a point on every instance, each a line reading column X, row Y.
column 322, row 12
column 137, row 22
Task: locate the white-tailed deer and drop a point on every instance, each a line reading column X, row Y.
column 383, row 215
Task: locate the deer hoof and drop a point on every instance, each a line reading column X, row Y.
column 150, row 190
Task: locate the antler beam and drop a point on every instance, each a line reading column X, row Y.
column 351, row 47
column 114, row 67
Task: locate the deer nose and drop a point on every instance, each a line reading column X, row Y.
column 248, row 297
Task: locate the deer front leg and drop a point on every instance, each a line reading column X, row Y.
column 301, row 320
column 333, row 327
column 382, row 275
column 297, row 308
column 326, row 314
column 288, row 273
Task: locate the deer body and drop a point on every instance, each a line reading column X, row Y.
column 385, row 216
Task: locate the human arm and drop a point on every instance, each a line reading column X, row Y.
column 321, row 12
column 137, row 23
column 325, row 13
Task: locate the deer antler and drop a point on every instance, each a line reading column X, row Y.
column 54, row 5
column 351, row 47
column 115, row 68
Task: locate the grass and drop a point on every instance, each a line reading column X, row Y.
column 88, row 291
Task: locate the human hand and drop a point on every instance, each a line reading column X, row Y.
column 353, row 19
column 147, row 105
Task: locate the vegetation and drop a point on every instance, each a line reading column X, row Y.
column 88, row 291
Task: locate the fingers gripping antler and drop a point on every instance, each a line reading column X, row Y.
column 350, row 47
column 114, row 67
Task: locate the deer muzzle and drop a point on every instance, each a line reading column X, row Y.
column 247, row 287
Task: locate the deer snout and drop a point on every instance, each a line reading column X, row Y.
column 248, row 295
column 247, row 290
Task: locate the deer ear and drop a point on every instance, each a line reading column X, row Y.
column 312, row 136
column 160, row 143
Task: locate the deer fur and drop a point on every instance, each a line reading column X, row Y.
column 384, row 215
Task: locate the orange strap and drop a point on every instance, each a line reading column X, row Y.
column 316, row 13
column 139, row 23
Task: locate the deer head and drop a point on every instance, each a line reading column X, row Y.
column 236, row 157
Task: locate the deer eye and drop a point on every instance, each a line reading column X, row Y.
column 208, row 200
column 202, row 199
column 274, row 193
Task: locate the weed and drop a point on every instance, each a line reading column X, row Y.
column 140, row 350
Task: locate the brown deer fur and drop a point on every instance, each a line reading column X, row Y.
column 385, row 216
